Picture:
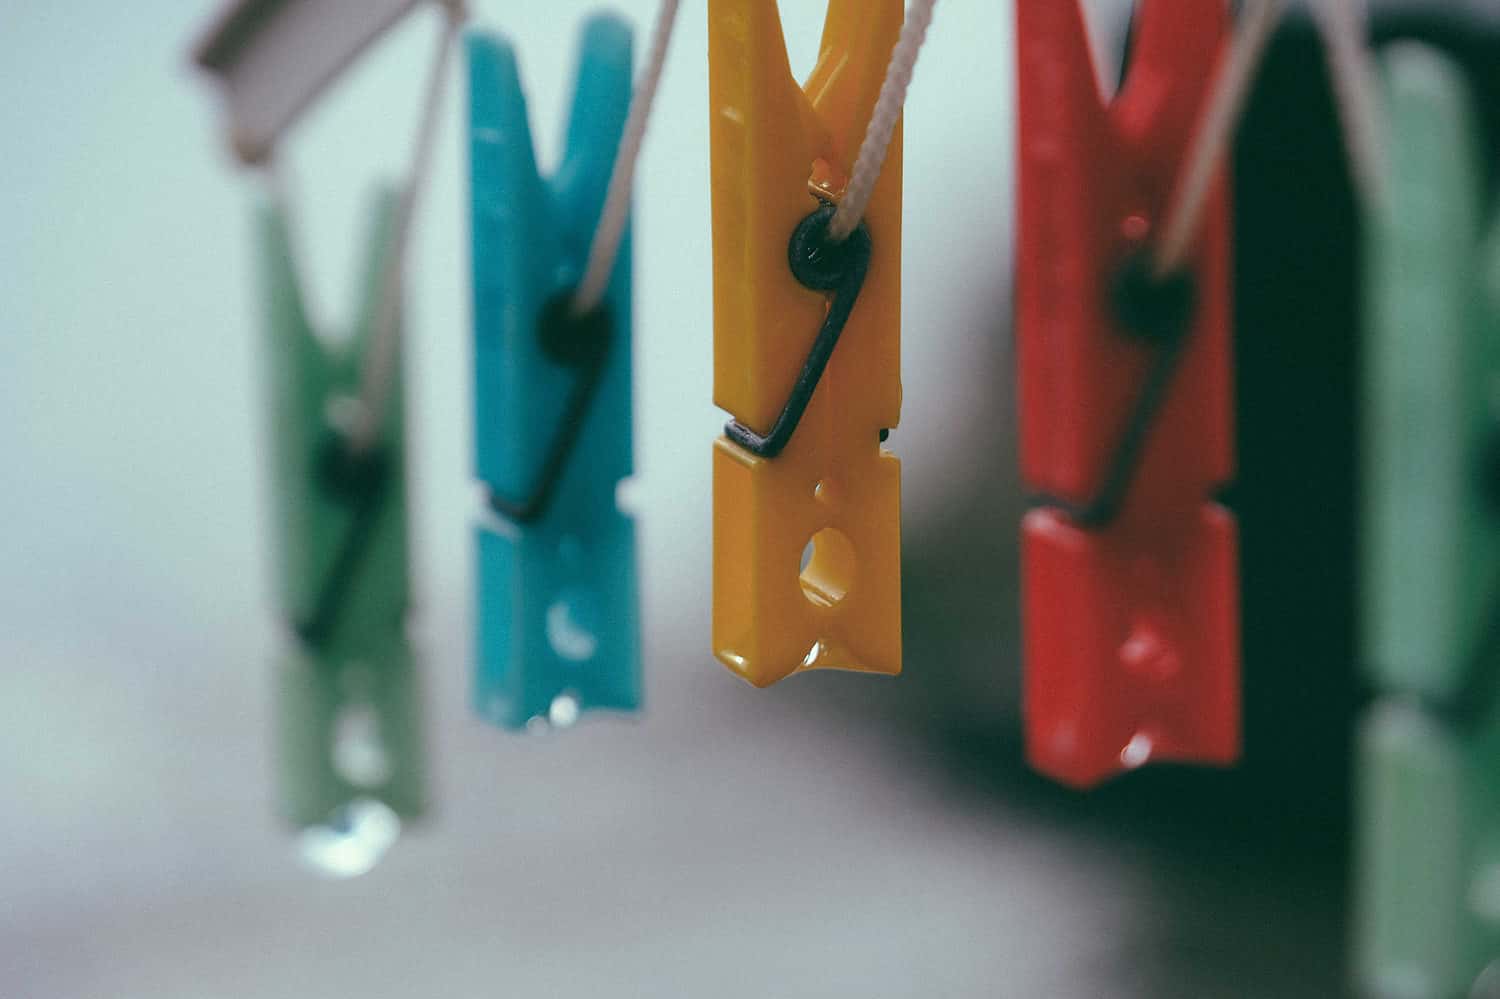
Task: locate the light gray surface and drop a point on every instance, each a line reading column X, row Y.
column 786, row 843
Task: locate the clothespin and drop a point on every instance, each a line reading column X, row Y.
column 342, row 561
column 338, row 454
column 274, row 58
column 1429, row 747
column 802, row 470
column 1130, row 604
column 557, row 605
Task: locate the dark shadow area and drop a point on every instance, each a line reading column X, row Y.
column 1248, row 868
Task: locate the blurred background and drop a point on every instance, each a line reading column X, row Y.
column 832, row 835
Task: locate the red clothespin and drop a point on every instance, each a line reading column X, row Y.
column 1130, row 594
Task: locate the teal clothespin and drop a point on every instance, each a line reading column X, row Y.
column 1428, row 878
column 341, row 552
column 556, row 579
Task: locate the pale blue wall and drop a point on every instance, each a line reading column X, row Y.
column 137, row 853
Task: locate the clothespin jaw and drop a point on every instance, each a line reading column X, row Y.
column 349, row 732
column 348, row 716
column 557, row 603
column 1429, row 806
column 1130, row 606
column 274, row 58
column 777, row 150
column 341, row 515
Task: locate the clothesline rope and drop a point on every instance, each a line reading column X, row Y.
column 378, row 375
column 1352, row 77
column 1225, row 104
column 877, row 140
column 616, row 212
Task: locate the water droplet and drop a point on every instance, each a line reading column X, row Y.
column 564, row 710
column 1137, row 751
column 628, row 497
column 353, row 840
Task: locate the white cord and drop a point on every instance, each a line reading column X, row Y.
column 883, row 120
column 378, row 375
column 616, row 212
column 1225, row 103
column 1342, row 23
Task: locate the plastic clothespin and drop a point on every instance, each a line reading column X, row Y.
column 275, row 57
column 778, row 150
column 348, row 712
column 342, row 562
column 557, row 605
column 1130, row 605
column 1429, row 748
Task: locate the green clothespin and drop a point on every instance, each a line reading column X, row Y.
column 348, row 688
column 350, row 746
column 1428, row 878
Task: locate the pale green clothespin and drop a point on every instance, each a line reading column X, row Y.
column 1428, row 870
column 349, row 716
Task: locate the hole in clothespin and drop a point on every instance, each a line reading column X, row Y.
column 827, row 567
column 571, row 621
column 358, row 751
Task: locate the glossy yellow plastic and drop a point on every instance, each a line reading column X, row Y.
column 776, row 149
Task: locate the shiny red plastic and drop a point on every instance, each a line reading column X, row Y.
column 1132, row 629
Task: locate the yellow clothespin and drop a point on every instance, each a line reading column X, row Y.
column 779, row 152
